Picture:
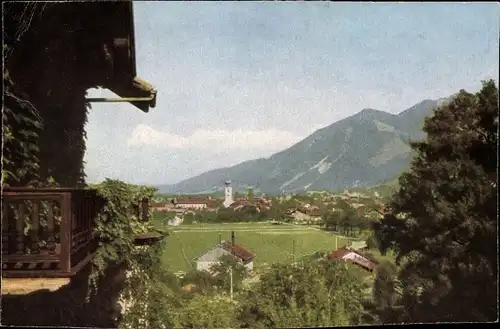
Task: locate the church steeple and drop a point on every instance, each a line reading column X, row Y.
column 228, row 195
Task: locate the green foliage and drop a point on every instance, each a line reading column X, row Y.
column 162, row 217
column 118, row 224
column 310, row 294
column 250, row 194
column 248, row 213
column 22, row 125
column 276, row 211
column 207, row 312
column 371, row 242
column 442, row 222
column 345, row 219
column 151, row 291
column 221, row 273
column 189, row 218
column 204, row 281
column 386, row 290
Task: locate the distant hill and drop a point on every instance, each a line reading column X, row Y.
column 366, row 149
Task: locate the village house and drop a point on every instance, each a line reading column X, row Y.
column 353, row 256
column 304, row 215
column 197, row 204
column 237, row 205
column 259, row 203
column 162, row 207
column 205, row 261
column 176, row 221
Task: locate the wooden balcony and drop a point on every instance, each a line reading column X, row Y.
column 48, row 232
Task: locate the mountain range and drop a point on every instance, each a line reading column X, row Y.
column 362, row 150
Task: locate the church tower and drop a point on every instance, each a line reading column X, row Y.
column 228, row 195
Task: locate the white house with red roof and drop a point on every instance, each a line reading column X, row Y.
column 205, row 261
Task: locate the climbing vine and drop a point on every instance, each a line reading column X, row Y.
column 117, row 225
column 144, row 288
column 21, row 126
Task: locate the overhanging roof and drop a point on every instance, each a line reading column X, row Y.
column 119, row 25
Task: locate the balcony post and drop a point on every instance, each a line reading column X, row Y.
column 65, row 233
column 145, row 210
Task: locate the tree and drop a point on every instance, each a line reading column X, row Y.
column 250, row 194
column 203, row 281
column 225, row 215
column 371, row 242
column 386, row 291
column 188, row 218
column 276, row 211
column 308, row 294
column 221, row 273
column 332, row 220
column 442, row 222
column 207, row 312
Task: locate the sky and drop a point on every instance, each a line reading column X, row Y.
column 242, row 80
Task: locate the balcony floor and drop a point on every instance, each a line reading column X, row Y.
column 23, row 286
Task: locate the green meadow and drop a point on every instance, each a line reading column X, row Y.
column 271, row 243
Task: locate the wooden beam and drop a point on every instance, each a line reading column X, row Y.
column 120, row 100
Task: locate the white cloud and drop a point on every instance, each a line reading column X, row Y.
column 214, row 141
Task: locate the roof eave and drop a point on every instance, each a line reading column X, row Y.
column 125, row 82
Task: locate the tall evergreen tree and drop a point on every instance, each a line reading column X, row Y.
column 442, row 222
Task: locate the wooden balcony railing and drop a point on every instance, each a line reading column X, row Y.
column 48, row 232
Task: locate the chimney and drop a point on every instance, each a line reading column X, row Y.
column 220, row 241
column 232, row 238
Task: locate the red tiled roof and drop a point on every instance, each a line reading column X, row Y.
column 239, row 203
column 191, row 202
column 237, row 250
column 309, row 212
column 341, row 252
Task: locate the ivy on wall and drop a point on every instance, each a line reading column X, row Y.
column 22, row 125
column 144, row 289
column 118, row 225
column 48, row 69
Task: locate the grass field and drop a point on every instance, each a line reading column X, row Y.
column 271, row 243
